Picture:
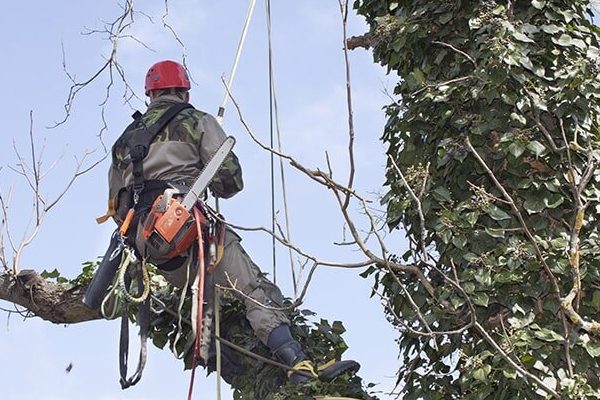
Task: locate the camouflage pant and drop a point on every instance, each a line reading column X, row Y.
column 237, row 270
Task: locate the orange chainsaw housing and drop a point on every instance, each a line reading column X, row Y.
column 170, row 232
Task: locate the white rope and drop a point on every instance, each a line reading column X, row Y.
column 238, row 53
column 180, row 317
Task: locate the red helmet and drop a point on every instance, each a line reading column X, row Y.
column 167, row 74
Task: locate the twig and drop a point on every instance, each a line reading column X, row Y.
column 417, row 201
column 468, row 57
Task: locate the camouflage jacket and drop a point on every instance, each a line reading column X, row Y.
column 178, row 152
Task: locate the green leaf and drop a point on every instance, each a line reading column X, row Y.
column 536, row 148
column 444, row 18
column 567, row 13
column 564, row 40
column 482, row 373
column 459, row 241
column 518, row 118
column 472, row 217
column 534, row 205
column 551, row 29
column 539, row 4
column 480, row 299
column 554, row 201
column 495, row 233
column 445, row 235
column 442, row 194
column 596, row 300
column 337, row 327
column 509, row 373
column 471, row 258
column 497, row 214
column 579, row 43
column 418, row 75
column 548, row 335
column 593, row 349
column 469, row 287
column 516, row 149
column 521, row 37
column 528, row 360
column 50, row 274
column 550, row 382
column 526, row 62
column 159, row 339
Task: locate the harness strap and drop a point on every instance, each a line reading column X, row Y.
column 143, row 319
column 140, row 143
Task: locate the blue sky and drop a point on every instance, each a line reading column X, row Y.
column 309, row 73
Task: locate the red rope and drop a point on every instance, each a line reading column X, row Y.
column 199, row 218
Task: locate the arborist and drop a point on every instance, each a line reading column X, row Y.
column 173, row 160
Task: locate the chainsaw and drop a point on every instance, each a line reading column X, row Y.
column 169, row 229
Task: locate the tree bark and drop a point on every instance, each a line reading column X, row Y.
column 50, row 301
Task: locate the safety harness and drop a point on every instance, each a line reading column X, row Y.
column 137, row 137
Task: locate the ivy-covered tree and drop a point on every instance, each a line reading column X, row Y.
column 493, row 142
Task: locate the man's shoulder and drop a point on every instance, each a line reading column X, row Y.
column 194, row 113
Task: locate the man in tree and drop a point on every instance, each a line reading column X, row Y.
column 174, row 159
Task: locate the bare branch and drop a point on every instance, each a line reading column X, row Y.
column 49, row 301
column 115, row 32
column 344, row 12
column 417, row 201
column 574, row 254
column 79, row 171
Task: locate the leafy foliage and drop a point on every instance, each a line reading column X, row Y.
column 495, row 132
column 253, row 378
column 250, row 377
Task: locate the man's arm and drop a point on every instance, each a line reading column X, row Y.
column 228, row 180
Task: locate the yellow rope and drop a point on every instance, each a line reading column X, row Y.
column 128, row 259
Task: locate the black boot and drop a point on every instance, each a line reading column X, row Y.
column 289, row 351
column 332, row 369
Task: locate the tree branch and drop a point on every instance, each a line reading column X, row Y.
column 50, row 301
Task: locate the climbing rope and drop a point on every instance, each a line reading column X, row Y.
column 128, row 259
column 120, row 293
column 238, row 53
column 274, row 128
column 182, row 297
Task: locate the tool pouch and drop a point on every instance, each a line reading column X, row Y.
column 105, row 274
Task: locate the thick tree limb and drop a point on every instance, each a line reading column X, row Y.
column 50, row 301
